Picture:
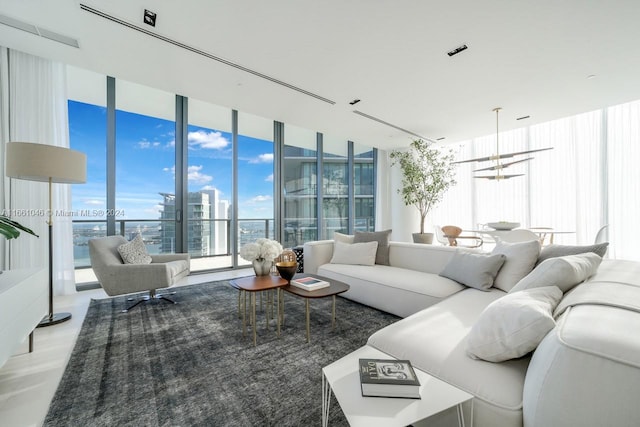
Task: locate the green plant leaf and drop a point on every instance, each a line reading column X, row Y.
column 10, row 229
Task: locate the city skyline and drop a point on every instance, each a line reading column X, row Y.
column 145, row 165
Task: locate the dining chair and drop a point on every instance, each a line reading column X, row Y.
column 453, row 233
column 602, row 235
column 545, row 234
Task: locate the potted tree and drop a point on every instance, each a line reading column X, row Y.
column 427, row 173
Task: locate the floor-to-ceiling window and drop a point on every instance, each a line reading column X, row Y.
column 335, row 186
column 87, row 133
column 300, row 186
column 364, row 188
column 255, row 179
column 210, row 187
column 145, row 165
column 137, row 175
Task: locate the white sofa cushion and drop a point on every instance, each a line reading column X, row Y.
column 586, row 372
column 355, row 253
column 344, row 238
column 564, row 272
column 473, row 270
column 521, row 258
column 514, row 325
column 434, row 340
column 553, row 251
column 395, row 290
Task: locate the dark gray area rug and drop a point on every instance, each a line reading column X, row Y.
column 189, row 365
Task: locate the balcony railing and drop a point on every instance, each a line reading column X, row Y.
column 208, row 238
column 213, row 237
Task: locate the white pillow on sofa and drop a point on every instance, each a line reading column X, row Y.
column 564, row 272
column 513, row 325
column 521, row 258
column 354, row 253
column 344, row 238
column 473, row 270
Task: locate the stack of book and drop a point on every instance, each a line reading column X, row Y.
column 388, row 378
column 309, row 283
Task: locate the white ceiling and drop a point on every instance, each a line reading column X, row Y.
column 530, row 58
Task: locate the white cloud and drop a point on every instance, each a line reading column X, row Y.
column 263, row 158
column 269, row 178
column 157, row 144
column 210, row 140
column 259, row 199
column 194, row 175
column 94, row 202
column 144, row 144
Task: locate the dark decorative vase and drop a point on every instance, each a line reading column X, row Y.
column 287, row 269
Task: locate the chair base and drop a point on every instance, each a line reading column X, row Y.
column 152, row 296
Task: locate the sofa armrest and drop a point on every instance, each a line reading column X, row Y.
column 158, row 258
column 316, row 254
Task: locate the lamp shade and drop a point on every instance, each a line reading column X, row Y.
column 40, row 162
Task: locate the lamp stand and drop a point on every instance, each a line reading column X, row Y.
column 52, row 318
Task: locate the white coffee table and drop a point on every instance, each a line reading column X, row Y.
column 342, row 378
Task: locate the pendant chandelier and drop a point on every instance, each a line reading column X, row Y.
column 498, row 166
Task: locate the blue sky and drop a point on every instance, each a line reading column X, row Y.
column 145, row 164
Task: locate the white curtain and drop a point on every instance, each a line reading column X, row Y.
column 4, row 137
column 589, row 179
column 37, row 112
column 623, row 153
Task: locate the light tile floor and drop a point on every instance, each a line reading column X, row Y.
column 28, row 381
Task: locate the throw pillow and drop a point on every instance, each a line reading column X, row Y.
column 382, row 237
column 473, row 270
column 521, row 257
column 513, row 325
column 354, row 254
column 564, row 272
column 344, row 238
column 134, row 252
column 552, row 251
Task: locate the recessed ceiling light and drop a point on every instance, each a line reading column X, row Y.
column 440, row 139
column 457, row 50
column 591, row 76
column 354, row 102
column 149, row 18
column 523, row 117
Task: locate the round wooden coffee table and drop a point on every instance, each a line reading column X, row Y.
column 336, row 287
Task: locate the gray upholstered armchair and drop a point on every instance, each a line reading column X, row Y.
column 118, row 278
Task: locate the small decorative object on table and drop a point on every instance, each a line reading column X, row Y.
column 388, row 378
column 503, row 225
column 309, row 283
column 261, row 253
column 287, row 269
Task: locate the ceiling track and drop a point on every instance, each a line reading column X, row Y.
column 375, row 119
column 203, row 53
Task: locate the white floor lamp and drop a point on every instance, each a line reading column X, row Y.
column 47, row 163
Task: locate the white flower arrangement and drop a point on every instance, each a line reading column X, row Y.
column 261, row 249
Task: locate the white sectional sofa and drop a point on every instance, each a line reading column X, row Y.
column 585, row 372
column 397, row 288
